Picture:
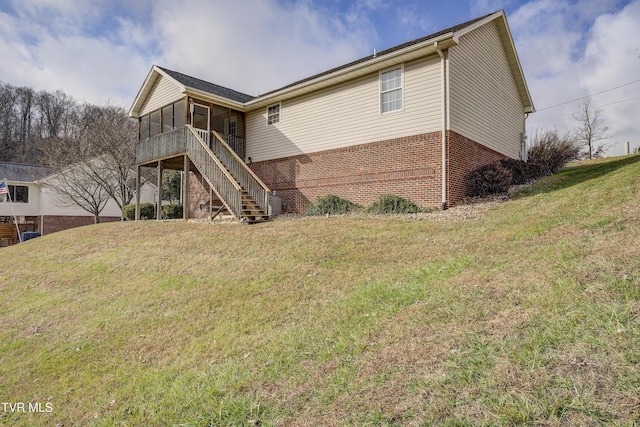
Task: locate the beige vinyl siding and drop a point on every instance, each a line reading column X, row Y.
column 163, row 92
column 484, row 102
column 348, row 114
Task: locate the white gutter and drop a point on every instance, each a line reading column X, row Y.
column 443, row 75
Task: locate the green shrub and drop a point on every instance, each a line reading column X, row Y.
column 129, row 212
column 518, row 170
column 147, row 211
column 488, row 179
column 392, row 204
column 333, row 205
column 172, row 211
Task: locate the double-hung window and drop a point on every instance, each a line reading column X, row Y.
column 18, row 194
column 391, row 90
column 273, row 114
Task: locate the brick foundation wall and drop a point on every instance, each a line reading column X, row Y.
column 464, row 155
column 53, row 223
column 410, row 167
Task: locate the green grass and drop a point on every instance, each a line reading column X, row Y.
column 528, row 316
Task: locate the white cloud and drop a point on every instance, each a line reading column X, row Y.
column 257, row 47
column 569, row 53
column 482, row 7
column 612, row 59
column 99, row 51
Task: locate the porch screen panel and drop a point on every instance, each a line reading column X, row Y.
column 179, row 114
column 144, row 127
column 167, row 118
column 154, row 128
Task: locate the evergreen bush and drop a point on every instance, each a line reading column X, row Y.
column 392, row 204
column 488, row 179
column 172, row 211
column 147, row 211
column 332, row 205
column 129, row 212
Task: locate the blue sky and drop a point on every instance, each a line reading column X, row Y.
column 101, row 50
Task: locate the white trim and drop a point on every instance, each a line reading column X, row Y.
column 401, row 88
column 154, row 74
column 279, row 105
column 204, row 136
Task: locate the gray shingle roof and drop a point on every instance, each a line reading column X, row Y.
column 23, row 172
column 383, row 52
column 241, row 97
column 208, row 87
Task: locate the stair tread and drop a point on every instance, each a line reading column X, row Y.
column 250, row 209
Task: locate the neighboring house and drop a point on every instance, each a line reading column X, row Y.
column 38, row 207
column 412, row 120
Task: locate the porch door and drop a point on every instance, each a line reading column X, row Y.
column 200, row 120
column 231, row 135
column 231, row 126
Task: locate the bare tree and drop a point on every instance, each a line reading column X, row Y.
column 25, row 99
column 76, row 188
column 111, row 134
column 75, row 183
column 7, row 101
column 56, row 110
column 96, row 157
column 551, row 150
column 591, row 129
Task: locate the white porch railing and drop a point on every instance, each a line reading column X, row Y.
column 203, row 134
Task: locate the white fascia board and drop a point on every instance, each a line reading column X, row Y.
column 220, row 100
column 154, row 73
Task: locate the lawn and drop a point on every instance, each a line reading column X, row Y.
column 526, row 315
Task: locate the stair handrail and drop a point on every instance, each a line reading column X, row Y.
column 259, row 194
column 217, row 187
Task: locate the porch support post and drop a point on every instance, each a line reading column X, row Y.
column 185, row 189
column 137, row 217
column 159, row 192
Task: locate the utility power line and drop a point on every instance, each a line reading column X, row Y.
column 544, row 119
column 584, row 97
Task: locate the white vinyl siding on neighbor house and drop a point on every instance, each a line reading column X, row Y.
column 485, row 105
column 348, row 114
column 163, row 92
column 30, row 208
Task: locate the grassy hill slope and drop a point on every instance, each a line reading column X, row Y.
column 527, row 316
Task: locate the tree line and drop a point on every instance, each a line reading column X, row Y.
column 29, row 120
column 90, row 148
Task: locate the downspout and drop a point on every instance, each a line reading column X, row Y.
column 41, row 209
column 444, row 124
column 41, row 206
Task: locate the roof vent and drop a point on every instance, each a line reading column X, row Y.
column 375, row 53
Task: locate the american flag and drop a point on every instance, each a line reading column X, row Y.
column 4, row 189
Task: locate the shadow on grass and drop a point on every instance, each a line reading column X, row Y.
column 573, row 175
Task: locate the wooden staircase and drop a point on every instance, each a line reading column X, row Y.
column 240, row 190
